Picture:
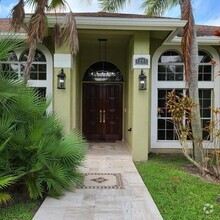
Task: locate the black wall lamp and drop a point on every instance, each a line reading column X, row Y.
column 142, row 81
column 61, row 80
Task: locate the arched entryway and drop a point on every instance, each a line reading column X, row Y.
column 102, row 102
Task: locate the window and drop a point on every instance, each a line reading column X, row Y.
column 171, row 72
column 10, row 66
column 38, row 67
column 205, row 101
column 205, row 67
column 41, row 75
column 168, row 74
column 166, row 130
column 103, row 71
column 170, row 67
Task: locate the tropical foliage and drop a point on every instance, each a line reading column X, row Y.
column 37, row 26
column 36, row 157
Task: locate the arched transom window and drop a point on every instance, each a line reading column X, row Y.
column 103, row 72
column 205, row 66
column 170, row 67
column 38, row 67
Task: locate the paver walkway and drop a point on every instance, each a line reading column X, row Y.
column 102, row 201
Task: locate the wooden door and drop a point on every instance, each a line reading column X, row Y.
column 102, row 112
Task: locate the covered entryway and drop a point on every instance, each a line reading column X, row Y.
column 102, row 102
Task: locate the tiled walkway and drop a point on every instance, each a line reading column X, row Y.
column 104, row 196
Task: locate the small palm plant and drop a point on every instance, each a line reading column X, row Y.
column 35, row 154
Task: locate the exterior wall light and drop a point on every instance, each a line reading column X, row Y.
column 142, row 81
column 61, row 80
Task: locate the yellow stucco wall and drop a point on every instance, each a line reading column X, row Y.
column 140, row 102
column 65, row 99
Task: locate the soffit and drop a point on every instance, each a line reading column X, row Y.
column 114, row 38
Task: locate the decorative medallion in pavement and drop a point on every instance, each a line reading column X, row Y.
column 102, row 181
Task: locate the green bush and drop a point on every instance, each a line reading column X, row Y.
column 35, row 155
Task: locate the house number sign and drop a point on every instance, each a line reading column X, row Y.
column 141, row 61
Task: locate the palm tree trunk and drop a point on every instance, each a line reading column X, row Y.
column 27, row 70
column 190, row 51
column 194, row 94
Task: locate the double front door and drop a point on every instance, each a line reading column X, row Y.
column 102, row 111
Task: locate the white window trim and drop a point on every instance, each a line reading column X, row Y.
column 155, row 85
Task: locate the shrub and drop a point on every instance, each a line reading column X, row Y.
column 35, row 155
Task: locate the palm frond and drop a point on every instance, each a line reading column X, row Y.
column 57, row 4
column 3, row 145
column 37, row 27
column 112, row 5
column 7, row 44
column 57, row 35
column 72, row 150
column 18, row 15
column 6, row 124
column 5, row 198
column 7, row 181
column 70, row 33
column 37, row 30
column 158, row 7
column 34, row 187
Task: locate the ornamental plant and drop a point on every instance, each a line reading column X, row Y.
column 181, row 109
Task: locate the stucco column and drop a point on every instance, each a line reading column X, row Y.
column 63, row 98
column 141, row 107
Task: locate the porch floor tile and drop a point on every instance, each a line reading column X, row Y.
column 130, row 202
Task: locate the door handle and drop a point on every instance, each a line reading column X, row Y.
column 103, row 116
column 100, row 116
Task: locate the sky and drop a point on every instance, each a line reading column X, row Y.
column 206, row 12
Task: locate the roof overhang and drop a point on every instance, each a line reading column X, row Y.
column 174, row 26
column 205, row 40
column 119, row 23
column 17, row 35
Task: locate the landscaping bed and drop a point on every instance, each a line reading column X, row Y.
column 177, row 193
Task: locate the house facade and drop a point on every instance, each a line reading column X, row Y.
column 103, row 95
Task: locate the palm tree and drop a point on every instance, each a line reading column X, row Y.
column 37, row 26
column 190, row 53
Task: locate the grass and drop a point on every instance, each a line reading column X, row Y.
column 178, row 195
column 20, row 210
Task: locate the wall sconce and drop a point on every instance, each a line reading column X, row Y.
column 142, row 81
column 61, row 80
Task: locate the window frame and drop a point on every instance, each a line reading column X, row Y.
column 156, row 84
